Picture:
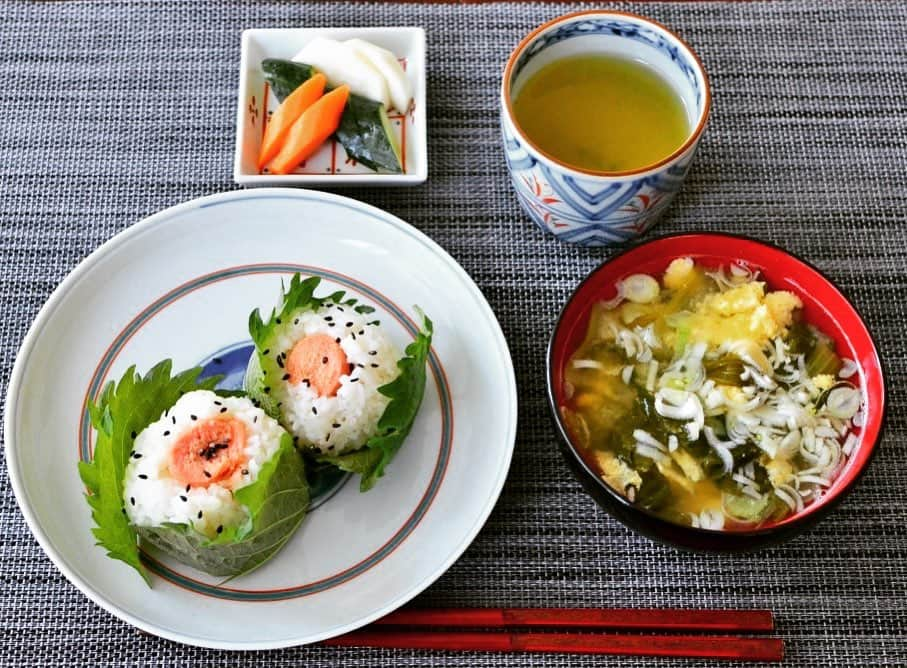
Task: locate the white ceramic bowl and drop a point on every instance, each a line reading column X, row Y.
column 329, row 166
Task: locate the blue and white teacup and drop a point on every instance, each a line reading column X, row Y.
column 600, row 208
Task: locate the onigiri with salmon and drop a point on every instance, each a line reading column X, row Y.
column 217, row 479
column 325, row 368
column 206, row 477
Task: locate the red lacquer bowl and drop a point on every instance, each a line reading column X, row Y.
column 824, row 306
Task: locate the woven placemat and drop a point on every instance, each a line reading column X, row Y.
column 114, row 110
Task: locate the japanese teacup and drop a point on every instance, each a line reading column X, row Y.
column 583, row 206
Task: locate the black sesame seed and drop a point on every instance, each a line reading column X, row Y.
column 199, row 514
column 280, row 362
column 133, row 434
column 353, row 380
column 328, row 437
column 267, row 389
column 328, row 318
column 314, row 411
column 166, row 412
column 173, row 417
column 220, row 527
column 305, row 381
column 207, row 475
column 330, row 447
column 296, row 322
column 166, row 433
column 349, row 324
column 337, row 340
column 336, row 425
column 372, row 352
column 217, row 403
column 123, row 510
column 286, row 376
column 354, row 336
column 266, row 351
column 193, row 417
column 277, row 320
column 254, row 419
column 330, row 324
column 217, row 360
column 361, row 366
column 137, row 455
column 374, row 366
column 132, row 453
column 142, row 476
column 361, row 332
column 184, row 498
column 223, row 410
column 245, row 471
column 256, row 403
column 132, row 500
column 340, row 308
column 324, row 360
column 188, row 487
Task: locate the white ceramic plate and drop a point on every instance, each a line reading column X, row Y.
column 181, row 284
column 330, row 165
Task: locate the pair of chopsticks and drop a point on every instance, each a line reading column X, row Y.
column 410, row 629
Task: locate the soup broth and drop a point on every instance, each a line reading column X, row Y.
column 707, row 400
column 602, row 113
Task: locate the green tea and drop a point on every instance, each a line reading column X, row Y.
column 602, row 113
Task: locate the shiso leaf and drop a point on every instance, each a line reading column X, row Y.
column 298, row 297
column 405, row 393
column 362, row 462
column 124, row 408
column 277, row 503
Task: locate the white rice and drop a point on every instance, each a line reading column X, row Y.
column 348, row 419
column 159, row 498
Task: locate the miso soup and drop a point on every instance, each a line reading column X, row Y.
column 706, row 399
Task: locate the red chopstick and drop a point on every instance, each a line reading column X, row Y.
column 505, row 640
column 636, row 619
column 708, row 647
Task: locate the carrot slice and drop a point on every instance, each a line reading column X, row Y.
column 210, row 452
column 316, row 124
column 319, row 361
column 286, row 114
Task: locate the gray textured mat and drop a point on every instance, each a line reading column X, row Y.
column 110, row 111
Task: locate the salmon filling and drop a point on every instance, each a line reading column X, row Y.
column 319, row 361
column 210, row 452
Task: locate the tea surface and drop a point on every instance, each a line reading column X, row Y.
column 602, row 113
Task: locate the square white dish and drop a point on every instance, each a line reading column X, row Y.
column 330, row 165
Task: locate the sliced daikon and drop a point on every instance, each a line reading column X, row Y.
column 341, row 64
column 398, row 85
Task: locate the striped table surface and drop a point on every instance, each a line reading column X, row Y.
column 113, row 110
